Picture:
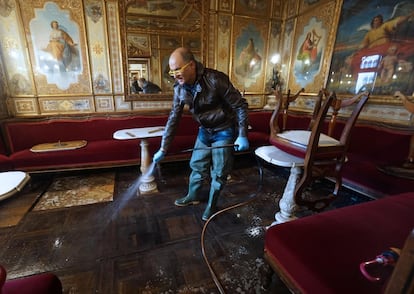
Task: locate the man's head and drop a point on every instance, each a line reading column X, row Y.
column 183, row 66
column 377, row 21
column 141, row 82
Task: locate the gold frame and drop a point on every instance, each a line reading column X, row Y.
column 35, row 11
column 241, row 32
column 323, row 15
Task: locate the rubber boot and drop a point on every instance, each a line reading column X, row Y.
column 211, row 205
column 191, row 197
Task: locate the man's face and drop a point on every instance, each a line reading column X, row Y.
column 183, row 73
column 376, row 22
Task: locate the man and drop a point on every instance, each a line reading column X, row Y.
column 222, row 114
column 135, row 88
column 148, row 87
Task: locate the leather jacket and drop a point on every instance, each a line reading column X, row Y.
column 216, row 105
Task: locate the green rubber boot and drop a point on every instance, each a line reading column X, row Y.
column 191, row 197
column 211, row 205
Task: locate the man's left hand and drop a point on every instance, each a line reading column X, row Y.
column 241, row 144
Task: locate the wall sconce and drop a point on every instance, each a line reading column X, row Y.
column 276, row 80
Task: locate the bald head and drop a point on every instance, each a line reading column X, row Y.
column 183, row 63
column 183, row 54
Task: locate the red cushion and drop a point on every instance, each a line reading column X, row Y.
column 46, row 283
column 322, row 253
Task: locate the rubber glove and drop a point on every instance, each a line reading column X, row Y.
column 242, row 144
column 158, row 156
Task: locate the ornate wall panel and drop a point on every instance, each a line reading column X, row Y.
column 114, row 35
column 310, row 51
column 59, row 105
column 121, row 104
column 57, row 46
column 23, row 106
column 223, row 40
column 97, row 40
column 15, row 60
column 104, row 104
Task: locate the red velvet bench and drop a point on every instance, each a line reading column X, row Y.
column 322, row 253
column 44, row 283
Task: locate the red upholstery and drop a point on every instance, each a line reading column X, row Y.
column 5, row 162
column 45, row 283
column 321, row 253
column 101, row 148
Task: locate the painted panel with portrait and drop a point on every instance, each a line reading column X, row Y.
column 374, row 48
column 249, row 54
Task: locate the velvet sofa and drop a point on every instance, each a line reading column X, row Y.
column 322, row 253
column 372, row 146
column 101, row 149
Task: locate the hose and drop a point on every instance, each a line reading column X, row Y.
column 251, row 198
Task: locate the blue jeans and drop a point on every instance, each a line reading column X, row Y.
column 216, row 162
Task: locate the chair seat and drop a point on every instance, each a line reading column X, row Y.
column 12, row 182
column 296, row 141
column 276, row 156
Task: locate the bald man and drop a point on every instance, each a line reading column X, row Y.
column 222, row 114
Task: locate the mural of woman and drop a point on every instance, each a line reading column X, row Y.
column 62, row 47
column 250, row 61
column 309, row 49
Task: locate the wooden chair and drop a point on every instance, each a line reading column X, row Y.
column 316, row 154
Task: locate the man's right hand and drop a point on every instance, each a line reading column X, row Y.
column 158, row 156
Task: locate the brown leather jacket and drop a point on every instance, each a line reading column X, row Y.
column 216, row 105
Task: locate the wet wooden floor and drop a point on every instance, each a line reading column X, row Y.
column 145, row 244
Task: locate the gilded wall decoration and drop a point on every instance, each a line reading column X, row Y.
column 94, row 10
column 260, row 8
column 138, row 45
column 98, row 47
column 311, row 50
column 61, row 105
column 6, row 7
column 223, row 40
column 16, row 64
column 249, row 54
column 104, row 104
column 121, row 104
column 115, row 46
column 24, row 106
column 57, row 46
column 374, row 49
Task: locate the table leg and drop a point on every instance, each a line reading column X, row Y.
column 287, row 204
column 147, row 180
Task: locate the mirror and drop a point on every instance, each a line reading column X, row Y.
column 137, row 68
column 151, row 30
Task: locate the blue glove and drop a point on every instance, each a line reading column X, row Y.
column 158, row 156
column 243, row 144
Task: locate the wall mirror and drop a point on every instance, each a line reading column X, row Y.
column 150, row 31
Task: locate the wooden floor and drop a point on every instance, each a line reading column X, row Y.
column 145, row 244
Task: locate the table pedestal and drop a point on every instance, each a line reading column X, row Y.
column 287, row 203
column 147, row 184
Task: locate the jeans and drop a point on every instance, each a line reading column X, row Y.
column 216, row 162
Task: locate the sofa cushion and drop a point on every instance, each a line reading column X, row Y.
column 321, row 253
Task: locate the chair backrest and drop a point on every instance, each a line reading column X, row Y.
column 326, row 160
column 281, row 108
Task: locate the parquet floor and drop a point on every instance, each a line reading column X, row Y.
column 145, row 244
